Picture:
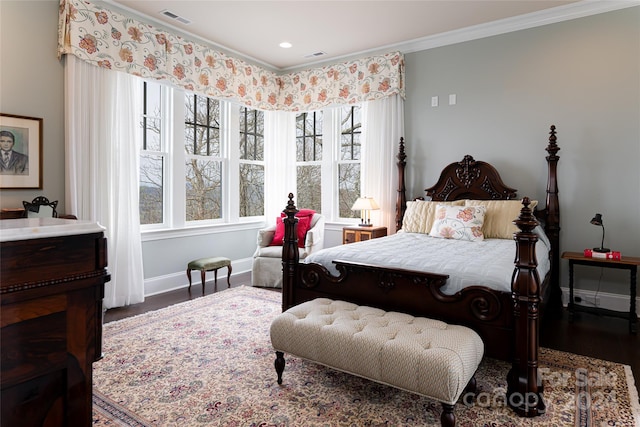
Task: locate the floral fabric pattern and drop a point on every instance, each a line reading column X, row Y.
column 459, row 223
column 112, row 40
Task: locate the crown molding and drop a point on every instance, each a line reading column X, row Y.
column 536, row 19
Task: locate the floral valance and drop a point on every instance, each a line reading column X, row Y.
column 112, row 40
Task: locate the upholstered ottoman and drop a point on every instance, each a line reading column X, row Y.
column 416, row 354
column 209, row 264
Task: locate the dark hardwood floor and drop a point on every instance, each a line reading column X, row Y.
column 590, row 334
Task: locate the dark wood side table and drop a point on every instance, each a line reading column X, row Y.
column 359, row 234
column 626, row 262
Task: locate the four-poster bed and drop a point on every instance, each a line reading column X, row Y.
column 508, row 321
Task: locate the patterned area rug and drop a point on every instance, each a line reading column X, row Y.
column 210, row 361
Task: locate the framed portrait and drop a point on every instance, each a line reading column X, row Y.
column 20, row 152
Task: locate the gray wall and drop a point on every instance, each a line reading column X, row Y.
column 581, row 75
column 32, row 84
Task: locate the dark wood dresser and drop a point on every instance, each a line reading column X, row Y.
column 52, row 280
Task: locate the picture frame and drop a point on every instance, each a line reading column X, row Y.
column 20, row 152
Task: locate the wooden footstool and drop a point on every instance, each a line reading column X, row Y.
column 209, row 264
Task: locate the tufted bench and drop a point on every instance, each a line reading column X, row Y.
column 416, row 354
column 208, row 264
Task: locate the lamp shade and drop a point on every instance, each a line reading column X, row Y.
column 597, row 219
column 365, row 204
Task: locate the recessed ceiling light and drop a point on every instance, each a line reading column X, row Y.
column 285, row 45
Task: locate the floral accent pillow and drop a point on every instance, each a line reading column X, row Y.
column 459, row 223
column 419, row 216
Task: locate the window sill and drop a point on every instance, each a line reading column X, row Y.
column 198, row 230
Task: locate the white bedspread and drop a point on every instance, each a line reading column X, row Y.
column 489, row 263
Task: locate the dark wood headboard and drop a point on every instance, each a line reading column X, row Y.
column 470, row 179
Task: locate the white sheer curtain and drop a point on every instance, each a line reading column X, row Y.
column 101, row 141
column 383, row 125
column 279, row 152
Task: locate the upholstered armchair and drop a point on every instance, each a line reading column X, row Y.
column 267, row 260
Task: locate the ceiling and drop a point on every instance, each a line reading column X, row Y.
column 339, row 28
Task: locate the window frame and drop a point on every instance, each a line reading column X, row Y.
column 330, row 163
column 241, row 161
column 174, row 222
column 166, row 129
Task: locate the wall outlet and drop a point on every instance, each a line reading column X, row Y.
column 434, row 101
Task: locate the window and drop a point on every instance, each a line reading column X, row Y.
column 153, row 156
column 203, row 158
column 196, row 152
column 309, row 160
column 328, row 159
column 349, row 160
column 251, row 162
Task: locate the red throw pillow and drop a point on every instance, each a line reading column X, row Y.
column 304, row 212
column 304, row 223
column 278, row 237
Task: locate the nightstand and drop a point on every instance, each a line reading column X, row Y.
column 626, row 262
column 359, row 234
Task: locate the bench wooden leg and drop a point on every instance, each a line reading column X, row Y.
column 469, row 393
column 279, row 364
column 448, row 418
column 203, row 277
column 472, row 386
column 189, row 276
column 229, row 276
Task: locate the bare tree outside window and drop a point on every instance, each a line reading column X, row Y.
column 309, row 159
column 203, row 158
column 349, row 161
column 199, row 161
column 152, row 157
column 251, row 162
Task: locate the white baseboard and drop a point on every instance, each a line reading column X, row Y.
column 171, row 282
column 593, row 299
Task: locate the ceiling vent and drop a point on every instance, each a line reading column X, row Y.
column 174, row 16
column 315, row 54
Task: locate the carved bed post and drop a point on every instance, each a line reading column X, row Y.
column 524, row 390
column 290, row 254
column 401, row 198
column 552, row 223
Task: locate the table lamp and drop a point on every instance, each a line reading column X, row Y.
column 597, row 220
column 365, row 205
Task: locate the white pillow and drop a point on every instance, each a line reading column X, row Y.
column 500, row 214
column 459, row 223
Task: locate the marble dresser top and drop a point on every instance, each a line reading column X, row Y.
column 39, row 228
